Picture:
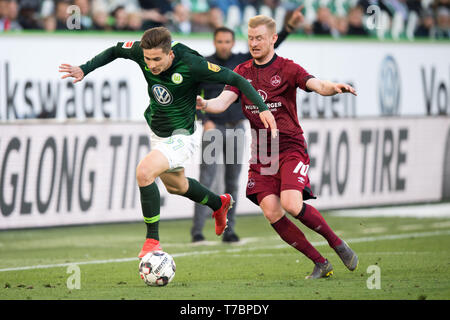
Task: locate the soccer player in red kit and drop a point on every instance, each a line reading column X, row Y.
column 285, row 188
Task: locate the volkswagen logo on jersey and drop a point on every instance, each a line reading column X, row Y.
column 162, row 94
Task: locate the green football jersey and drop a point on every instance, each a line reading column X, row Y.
column 173, row 92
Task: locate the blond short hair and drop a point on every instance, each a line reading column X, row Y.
column 259, row 20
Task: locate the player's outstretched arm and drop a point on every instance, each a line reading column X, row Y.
column 328, row 88
column 218, row 104
column 265, row 114
column 225, row 99
column 209, row 72
column 103, row 58
column 71, row 71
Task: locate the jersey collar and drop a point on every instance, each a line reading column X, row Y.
column 266, row 64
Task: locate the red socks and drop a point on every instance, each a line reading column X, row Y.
column 291, row 234
column 312, row 218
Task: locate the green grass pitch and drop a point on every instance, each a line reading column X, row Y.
column 411, row 254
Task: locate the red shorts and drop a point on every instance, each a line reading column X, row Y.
column 292, row 174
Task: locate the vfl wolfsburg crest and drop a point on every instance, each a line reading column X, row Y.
column 177, row 78
column 162, row 94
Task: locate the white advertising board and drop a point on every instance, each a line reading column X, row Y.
column 60, row 173
column 406, row 79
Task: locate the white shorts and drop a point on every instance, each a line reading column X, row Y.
column 178, row 149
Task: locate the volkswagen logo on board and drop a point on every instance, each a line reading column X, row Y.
column 389, row 87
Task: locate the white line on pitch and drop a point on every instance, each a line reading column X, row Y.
column 390, row 253
column 234, row 250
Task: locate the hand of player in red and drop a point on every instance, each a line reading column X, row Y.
column 269, row 121
column 200, row 103
column 342, row 88
column 72, row 71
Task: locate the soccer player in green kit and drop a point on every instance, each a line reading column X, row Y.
column 173, row 71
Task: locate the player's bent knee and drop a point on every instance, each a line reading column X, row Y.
column 273, row 216
column 144, row 175
column 292, row 206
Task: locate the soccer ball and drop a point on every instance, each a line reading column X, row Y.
column 157, row 268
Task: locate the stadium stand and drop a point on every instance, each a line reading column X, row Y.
column 396, row 19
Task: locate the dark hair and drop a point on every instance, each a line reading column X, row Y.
column 159, row 37
column 114, row 12
column 223, row 29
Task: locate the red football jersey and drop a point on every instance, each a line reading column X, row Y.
column 277, row 83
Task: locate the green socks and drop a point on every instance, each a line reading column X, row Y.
column 200, row 194
column 151, row 203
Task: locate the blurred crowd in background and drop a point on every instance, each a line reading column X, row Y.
column 372, row 18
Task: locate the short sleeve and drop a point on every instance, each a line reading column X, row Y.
column 301, row 77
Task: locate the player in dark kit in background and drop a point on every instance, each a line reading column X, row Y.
column 284, row 188
column 173, row 72
column 227, row 122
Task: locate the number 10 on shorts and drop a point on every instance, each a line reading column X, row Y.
column 303, row 168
